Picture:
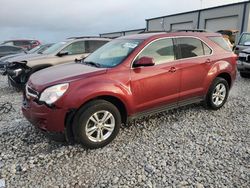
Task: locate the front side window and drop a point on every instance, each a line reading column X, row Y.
column 55, row 47
column 189, row 47
column 75, row 48
column 162, row 51
column 113, row 53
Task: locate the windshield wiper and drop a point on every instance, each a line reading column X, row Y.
column 91, row 63
column 39, row 52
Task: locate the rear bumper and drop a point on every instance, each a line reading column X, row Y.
column 243, row 66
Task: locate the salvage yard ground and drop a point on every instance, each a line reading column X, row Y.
column 187, row 147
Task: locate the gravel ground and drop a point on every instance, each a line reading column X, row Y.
column 187, row 147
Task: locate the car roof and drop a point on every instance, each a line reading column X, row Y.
column 145, row 36
column 87, row 38
column 20, row 40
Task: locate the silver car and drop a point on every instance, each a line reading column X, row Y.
column 19, row 69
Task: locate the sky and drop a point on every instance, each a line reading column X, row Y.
column 55, row 20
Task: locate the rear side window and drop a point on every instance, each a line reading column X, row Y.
column 189, row 47
column 21, row 43
column 221, row 42
column 91, row 46
column 161, row 51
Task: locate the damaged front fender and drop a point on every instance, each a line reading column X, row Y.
column 18, row 73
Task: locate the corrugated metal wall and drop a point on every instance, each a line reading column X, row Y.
column 214, row 19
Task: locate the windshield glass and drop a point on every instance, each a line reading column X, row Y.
column 113, row 53
column 54, row 48
column 244, row 38
column 33, row 50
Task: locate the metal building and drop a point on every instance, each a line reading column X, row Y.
column 226, row 17
column 232, row 16
column 122, row 33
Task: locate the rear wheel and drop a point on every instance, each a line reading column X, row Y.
column 217, row 94
column 96, row 124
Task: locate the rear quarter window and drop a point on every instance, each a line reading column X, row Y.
column 221, row 42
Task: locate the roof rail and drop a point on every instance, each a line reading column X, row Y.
column 191, row 30
column 156, row 31
column 86, row 37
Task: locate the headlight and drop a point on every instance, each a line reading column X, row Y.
column 53, row 93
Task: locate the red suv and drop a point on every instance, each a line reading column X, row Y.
column 129, row 77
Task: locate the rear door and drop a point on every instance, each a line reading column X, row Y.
column 157, row 85
column 194, row 58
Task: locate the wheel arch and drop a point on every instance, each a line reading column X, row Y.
column 227, row 77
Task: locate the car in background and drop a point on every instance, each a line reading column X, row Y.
column 129, row 77
column 244, row 43
column 10, row 50
column 19, row 69
column 38, row 49
column 229, row 35
column 243, row 63
column 26, row 44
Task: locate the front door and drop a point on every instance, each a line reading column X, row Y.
column 158, row 85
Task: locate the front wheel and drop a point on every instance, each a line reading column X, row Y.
column 96, row 124
column 217, row 94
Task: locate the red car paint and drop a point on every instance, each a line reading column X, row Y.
column 138, row 89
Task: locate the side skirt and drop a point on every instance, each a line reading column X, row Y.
column 165, row 108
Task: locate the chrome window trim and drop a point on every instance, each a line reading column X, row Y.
column 174, row 37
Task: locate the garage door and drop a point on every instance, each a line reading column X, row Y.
column 183, row 25
column 222, row 23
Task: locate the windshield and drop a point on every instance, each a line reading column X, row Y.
column 113, row 53
column 33, row 50
column 244, row 38
column 54, row 48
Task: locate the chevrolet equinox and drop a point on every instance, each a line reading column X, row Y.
column 129, row 77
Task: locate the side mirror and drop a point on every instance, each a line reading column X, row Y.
column 144, row 62
column 62, row 53
column 247, row 43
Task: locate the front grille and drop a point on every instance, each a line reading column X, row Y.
column 31, row 92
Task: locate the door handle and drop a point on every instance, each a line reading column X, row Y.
column 172, row 69
column 208, row 61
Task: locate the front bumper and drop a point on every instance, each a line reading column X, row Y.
column 243, row 66
column 51, row 120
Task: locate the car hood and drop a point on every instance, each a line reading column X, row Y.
column 5, row 58
column 28, row 57
column 62, row 73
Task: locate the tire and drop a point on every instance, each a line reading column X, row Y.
column 217, row 94
column 244, row 75
column 88, row 124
